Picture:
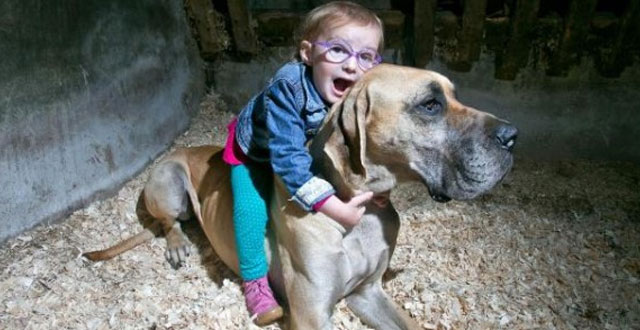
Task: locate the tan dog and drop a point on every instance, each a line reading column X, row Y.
column 396, row 124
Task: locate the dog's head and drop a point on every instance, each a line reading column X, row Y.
column 399, row 123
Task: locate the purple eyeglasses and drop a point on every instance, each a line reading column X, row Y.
column 340, row 51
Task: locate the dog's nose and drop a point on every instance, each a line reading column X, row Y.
column 506, row 135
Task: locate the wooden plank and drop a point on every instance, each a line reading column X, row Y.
column 516, row 52
column 575, row 33
column 447, row 28
column 405, row 51
column 243, row 35
column 275, row 28
column 394, row 26
column 470, row 40
column 424, row 31
column 496, row 33
column 610, row 60
column 207, row 28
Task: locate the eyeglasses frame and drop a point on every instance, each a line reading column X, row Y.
column 347, row 47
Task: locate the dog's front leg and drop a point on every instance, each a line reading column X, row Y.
column 312, row 282
column 310, row 306
column 377, row 310
column 311, row 262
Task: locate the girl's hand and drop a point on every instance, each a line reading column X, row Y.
column 347, row 214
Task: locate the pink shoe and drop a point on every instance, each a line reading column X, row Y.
column 260, row 301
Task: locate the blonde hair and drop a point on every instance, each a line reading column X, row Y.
column 335, row 14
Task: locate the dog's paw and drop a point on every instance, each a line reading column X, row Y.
column 178, row 256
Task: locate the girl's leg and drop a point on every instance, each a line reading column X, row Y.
column 250, row 222
column 250, row 216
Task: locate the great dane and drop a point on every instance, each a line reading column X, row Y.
column 396, row 124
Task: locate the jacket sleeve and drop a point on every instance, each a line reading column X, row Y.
column 290, row 158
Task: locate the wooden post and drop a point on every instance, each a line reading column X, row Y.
column 394, row 27
column 470, row 40
column 423, row 30
column 612, row 63
column 516, row 51
column 243, row 36
column 208, row 28
column 275, row 28
column 573, row 38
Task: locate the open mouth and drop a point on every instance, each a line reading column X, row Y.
column 341, row 85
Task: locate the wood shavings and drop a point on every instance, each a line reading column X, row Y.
column 543, row 250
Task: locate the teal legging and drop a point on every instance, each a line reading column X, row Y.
column 251, row 185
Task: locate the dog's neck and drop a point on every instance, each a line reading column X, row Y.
column 348, row 185
column 345, row 180
column 345, row 184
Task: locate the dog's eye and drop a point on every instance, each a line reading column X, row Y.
column 431, row 107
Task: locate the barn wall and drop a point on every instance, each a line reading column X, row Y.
column 91, row 91
column 565, row 72
column 581, row 116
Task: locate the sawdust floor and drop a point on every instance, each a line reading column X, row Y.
column 555, row 246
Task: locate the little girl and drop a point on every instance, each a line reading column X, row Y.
column 337, row 42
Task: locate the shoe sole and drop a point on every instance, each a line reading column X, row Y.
column 269, row 316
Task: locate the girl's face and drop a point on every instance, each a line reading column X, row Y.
column 332, row 79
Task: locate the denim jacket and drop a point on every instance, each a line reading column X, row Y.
column 277, row 123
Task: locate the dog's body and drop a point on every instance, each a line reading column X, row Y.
column 396, row 124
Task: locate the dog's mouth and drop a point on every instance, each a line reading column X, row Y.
column 429, row 181
column 341, row 85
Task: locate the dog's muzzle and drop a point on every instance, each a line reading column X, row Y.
column 471, row 167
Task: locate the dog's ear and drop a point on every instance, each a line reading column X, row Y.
column 352, row 121
column 346, row 145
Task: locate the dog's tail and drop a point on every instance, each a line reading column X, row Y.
column 126, row 245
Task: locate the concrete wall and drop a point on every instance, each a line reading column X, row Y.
column 581, row 116
column 91, row 91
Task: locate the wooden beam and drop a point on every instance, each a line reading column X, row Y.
column 470, row 40
column 243, row 35
column 424, row 31
column 275, row 28
column 208, row 28
column 515, row 54
column 610, row 60
column 575, row 33
column 394, row 26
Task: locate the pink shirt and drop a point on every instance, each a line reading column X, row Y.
column 232, row 153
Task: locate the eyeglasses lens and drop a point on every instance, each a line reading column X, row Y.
column 339, row 53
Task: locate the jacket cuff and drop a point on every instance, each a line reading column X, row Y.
column 312, row 192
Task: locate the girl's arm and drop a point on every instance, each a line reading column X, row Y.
column 290, row 158
column 291, row 161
